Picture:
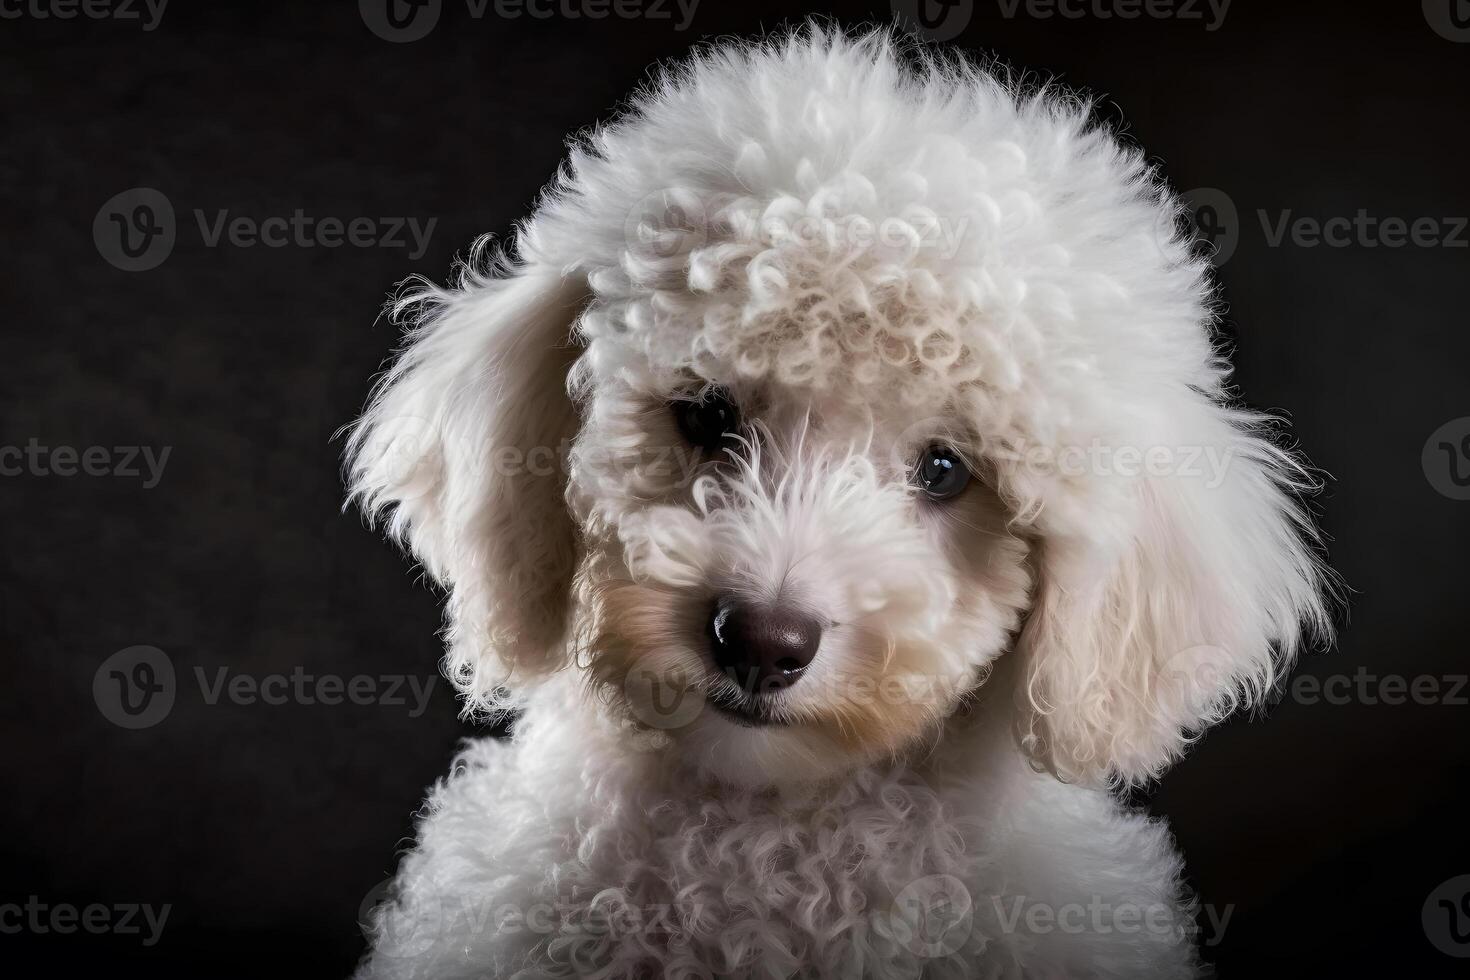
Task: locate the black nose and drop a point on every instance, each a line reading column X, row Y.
column 762, row 648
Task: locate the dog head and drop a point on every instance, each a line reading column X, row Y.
column 821, row 380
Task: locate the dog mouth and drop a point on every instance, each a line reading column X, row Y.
column 746, row 711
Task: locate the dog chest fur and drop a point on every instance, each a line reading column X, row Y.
column 610, row 863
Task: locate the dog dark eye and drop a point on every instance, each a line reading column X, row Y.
column 941, row 474
column 710, row 423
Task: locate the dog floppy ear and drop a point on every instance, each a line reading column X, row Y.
column 460, row 455
column 1148, row 631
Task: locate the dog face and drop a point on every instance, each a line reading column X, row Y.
column 820, row 382
column 784, row 581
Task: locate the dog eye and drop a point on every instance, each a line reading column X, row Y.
column 941, row 474
column 710, row 423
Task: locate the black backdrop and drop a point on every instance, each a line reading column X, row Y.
column 263, row 826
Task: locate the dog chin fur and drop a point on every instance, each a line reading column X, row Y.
column 871, row 249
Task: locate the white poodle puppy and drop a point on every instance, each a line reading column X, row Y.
column 842, row 480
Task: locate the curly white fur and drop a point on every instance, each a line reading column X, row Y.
column 871, row 250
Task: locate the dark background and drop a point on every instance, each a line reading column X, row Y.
column 1324, row 829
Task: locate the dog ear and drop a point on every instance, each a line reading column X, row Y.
column 460, row 455
column 1148, row 631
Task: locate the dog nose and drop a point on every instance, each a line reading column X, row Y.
column 762, row 648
